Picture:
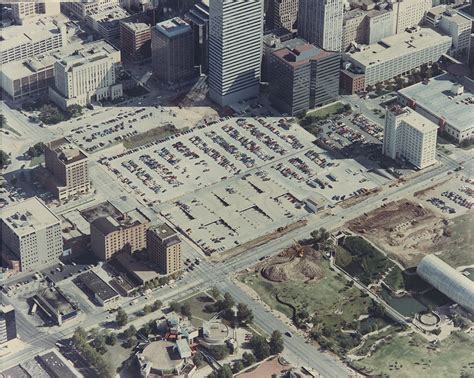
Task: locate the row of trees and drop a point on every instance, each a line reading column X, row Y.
column 4, row 159
column 225, row 305
column 51, row 114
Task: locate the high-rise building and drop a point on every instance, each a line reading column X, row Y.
column 235, row 49
column 20, row 42
column 164, row 249
column 24, row 11
column 86, row 75
column 459, row 29
column 198, row 16
column 172, row 53
column 68, row 168
column 135, row 41
column 320, row 22
column 303, row 77
column 409, row 136
column 120, row 232
column 353, row 30
column 7, row 323
column 282, row 14
column 32, row 233
column 409, row 13
column 106, row 23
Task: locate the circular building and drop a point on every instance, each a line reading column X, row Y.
column 447, row 280
column 160, row 358
column 215, row 333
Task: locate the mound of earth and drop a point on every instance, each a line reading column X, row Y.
column 276, row 273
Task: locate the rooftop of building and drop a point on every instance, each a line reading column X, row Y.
column 18, row 70
column 354, row 13
column 98, row 286
column 173, row 27
column 56, row 300
column 17, row 35
column 162, row 355
column 67, row 152
column 6, row 308
column 137, row 268
column 436, row 97
column 163, row 231
column 136, row 26
column 89, row 52
column 57, row 366
column 199, row 13
column 114, row 13
column 457, row 18
column 398, row 45
column 436, row 11
column 28, row 216
column 301, row 54
column 414, row 119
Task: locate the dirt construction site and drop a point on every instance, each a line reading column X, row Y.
column 300, row 263
column 405, row 229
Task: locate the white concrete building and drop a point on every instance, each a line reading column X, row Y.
column 409, row 13
column 398, row 54
column 20, row 42
column 283, row 14
column 32, row 233
column 409, row 136
column 25, row 11
column 83, row 8
column 320, row 22
column 87, row 75
column 459, row 29
column 235, row 49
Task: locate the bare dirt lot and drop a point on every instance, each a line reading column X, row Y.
column 405, row 229
column 298, row 263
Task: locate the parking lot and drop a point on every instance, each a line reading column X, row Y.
column 229, row 182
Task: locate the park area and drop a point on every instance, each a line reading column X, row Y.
column 318, row 300
column 413, row 356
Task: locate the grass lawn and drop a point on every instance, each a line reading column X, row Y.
column 198, row 303
column 371, row 340
column 410, row 354
column 457, row 251
column 326, row 111
column 117, row 354
column 149, row 136
column 395, row 279
column 37, row 160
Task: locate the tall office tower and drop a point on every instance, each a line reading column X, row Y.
column 164, row 248
column 459, row 28
column 409, row 136
column 409, row 13
column 135, row 41
column 282, row 14
column 320, row 22
column 198, row 16
column 32, row 233
column 235, row 49
column 24, row 10
column 172, row 50
column 68, row 168
column 7, row 323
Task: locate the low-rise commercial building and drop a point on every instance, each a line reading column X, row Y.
column 20, row 42
column 135, row 41
column 27, row 11
column 7, row 323
column 55, row 305
column 172, row 47
column 68, row 169
column 82, row 8
column 28, row 78
column 409, row 136
column 445, row 100
column 398, row 54
column 119, row 232
column 164, row 249
column 32, row 233
column 303, row 77
column 86, row 75
column 351, row 83
column 100, row 290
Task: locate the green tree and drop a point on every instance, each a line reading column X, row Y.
column 219, row 352
column 121, row 318
column 74, row 111
column 215, row 293
column 111, row 339
column 79, row 337
column 130, row 331
column 147, row 309
column 248, row 359
column 36, row 150
column 276, row 342
column 130, row 342
column 163, row 280
column 51, row 115
column 237, row 366
column 174, row 306
column 3, row 121
column 224, row 372
column 244, row 314
column 198, row 359
column 157, row 305
column 4, row 159
column 186, row 310
column 260, row 347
